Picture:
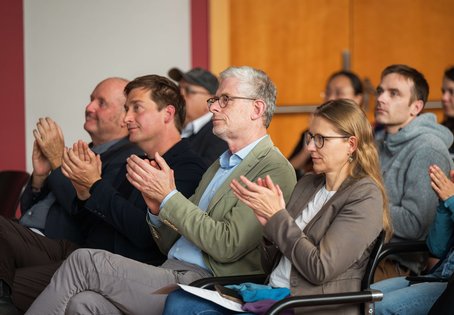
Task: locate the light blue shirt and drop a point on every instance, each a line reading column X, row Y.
column 183, row 249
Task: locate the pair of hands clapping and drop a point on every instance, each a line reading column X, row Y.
column 264, row 197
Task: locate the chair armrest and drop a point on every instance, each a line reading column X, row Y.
column 207, row 283
column 402, row 247
column 366, row 296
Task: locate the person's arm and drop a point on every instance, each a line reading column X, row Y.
column 442, row 229
column 441, row 232
column 412, row 217
column 129, row 216
column 352, row 231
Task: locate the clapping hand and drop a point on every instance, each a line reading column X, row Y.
column 49, row 138
column 264, row 197
column 82, row 167
column 442, row 185
column 154, row 179
column 47, row 150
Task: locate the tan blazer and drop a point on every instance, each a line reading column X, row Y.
column 331, row 253
column 229, row 234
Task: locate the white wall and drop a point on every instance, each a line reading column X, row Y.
column 71, row 45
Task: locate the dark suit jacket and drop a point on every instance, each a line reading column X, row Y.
column 63, row 218
column 207, row 145
column 115, row 214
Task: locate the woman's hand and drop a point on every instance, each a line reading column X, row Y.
column 442, row 185
column 264, row 197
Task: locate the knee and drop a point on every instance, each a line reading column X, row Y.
column 88, row 302
column 77, row 304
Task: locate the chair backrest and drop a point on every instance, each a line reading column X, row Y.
column 12, row 184
column 374, row 260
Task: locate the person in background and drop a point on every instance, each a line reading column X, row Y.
column 447, row 100
column 29, row 257
column 322, row 238
column 416, row 295
column 409, row 143
column 211, row 233
column 341, row 84
column 46, row 203
column 197, row 85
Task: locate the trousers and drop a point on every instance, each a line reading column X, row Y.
column 28, row 260
column 98, row 282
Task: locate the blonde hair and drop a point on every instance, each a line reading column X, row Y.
column 350, row 120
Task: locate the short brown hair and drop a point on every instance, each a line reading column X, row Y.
column 163, row 92
column 420, row 86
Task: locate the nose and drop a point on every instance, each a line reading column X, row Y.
column 128, row 117
column 445, row 96
column 381, row 98
column 214, row 107
column 91, row 107
column 330, row 97
column 311, row 145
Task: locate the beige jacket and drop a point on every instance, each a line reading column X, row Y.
column 331, row 253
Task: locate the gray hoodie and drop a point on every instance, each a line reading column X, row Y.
column 405, row 158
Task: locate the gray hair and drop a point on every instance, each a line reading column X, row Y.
column 255, row 84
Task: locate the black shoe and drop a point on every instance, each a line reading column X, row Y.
column 7, row 307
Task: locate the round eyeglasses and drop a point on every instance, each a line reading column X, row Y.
column 225, row 99
column 319, row 140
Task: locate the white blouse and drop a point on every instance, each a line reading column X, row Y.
column 280, row 277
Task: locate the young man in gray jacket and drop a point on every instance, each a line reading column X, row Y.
column 408, row 145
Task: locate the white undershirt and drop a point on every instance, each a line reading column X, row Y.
column 280, row 277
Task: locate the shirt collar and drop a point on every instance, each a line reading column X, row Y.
column 194, row 126
column 103, row 147
column 228, row 160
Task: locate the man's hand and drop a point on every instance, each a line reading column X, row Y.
column 153, row 178
column 82, row 167
column 264, row 197
column 49, row 138
column 41, row 167
column 442, row 185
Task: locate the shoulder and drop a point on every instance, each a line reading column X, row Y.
column 361, row 188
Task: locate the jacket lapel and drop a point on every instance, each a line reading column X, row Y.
column 245, row 168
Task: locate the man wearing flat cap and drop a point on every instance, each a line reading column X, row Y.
column 198, row 85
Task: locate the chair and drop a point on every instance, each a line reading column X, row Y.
column 12, row 184
column 366, row 296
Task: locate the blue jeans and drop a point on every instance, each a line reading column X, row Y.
column 400, row 298
column 182, row 302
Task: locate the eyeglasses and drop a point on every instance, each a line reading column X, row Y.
column 319, row 140
column 225, row 99
column 188, row 91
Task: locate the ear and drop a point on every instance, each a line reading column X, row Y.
column 258, row 109
column 416, row 107
column 169, row 114
column 353, row 144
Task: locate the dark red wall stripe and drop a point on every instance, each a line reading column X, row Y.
column 12, row 92
column 200, row 45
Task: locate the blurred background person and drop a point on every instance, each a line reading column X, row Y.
column 447, row 100
column 196, row 86
column 341, row 84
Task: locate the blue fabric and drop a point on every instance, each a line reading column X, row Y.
column 252, row 292
column 400, row 298
column 440, row 238
column 182, row 302
column 418, row 298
